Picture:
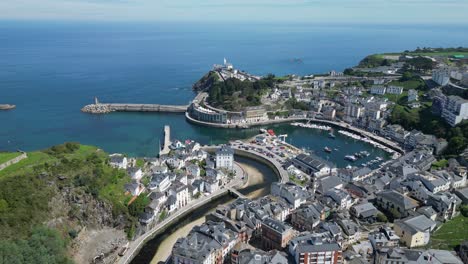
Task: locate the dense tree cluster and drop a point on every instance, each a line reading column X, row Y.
column 292, row 103
column 27, row 190
column 43, row 246
column 372, row 61
column 234, row 94
column 419, row 64
column 429, row 123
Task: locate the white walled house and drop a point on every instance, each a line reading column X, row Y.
column 118, row 161
column 225, row 158
column 135, row 173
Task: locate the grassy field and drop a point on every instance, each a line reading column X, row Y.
column 411, row 84
column 431, row 54
column 451, row 234
column 26, row 165
column 6, row 156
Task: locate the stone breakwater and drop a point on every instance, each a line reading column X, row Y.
column 7, row 106
column 107, row 108
column 96, row 109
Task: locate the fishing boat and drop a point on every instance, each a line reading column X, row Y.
column 350, row 157
column 364, row 153
column 327, row 149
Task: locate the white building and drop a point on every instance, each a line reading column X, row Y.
column 378, row 89
column 353, row 110
column 225, row 158
column 135, row 173
column 464, row 80
column 455, row 110
column 118, row 161
column 412, row 95
column 394, row 89
column 441, row 76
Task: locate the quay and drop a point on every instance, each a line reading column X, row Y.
column 390, row 144
column 104, row 108
column 167, row 141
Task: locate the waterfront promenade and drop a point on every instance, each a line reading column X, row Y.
column 388, row 143
column 101, row 108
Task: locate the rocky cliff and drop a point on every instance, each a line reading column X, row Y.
column 205, row 83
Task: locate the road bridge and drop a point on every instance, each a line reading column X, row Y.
column 236, row 193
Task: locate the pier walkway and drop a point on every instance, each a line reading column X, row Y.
column 104, row 108
column 167, row 141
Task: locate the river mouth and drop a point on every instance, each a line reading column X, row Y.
column 158, row 249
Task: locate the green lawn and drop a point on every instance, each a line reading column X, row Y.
column 431, row 54
column 6, row 156
column 411, row 84
column 451, row 234
column 440, row 164
column 26, row 165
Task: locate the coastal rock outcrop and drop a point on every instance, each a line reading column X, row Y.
column 206, row 81
column 96, row 109
column 7, row 106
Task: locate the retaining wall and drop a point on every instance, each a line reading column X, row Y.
column 13, row 161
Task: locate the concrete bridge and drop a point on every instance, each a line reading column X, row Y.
column 236, row 193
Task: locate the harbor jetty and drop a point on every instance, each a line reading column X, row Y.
column 7, row 106
column 167, row 141
column 104, row 108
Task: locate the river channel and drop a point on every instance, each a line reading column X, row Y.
column 159, row 248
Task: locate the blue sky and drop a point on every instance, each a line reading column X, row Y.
column 314, row 11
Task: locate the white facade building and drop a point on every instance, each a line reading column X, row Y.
column 378, row 89
column 441, row 76
column 455, row 110
column 412, row 95
column 394, row 89
column 225, row 158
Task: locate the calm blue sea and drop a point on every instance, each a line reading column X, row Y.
column 51, row 70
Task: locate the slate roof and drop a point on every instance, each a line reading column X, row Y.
column 399, row 199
